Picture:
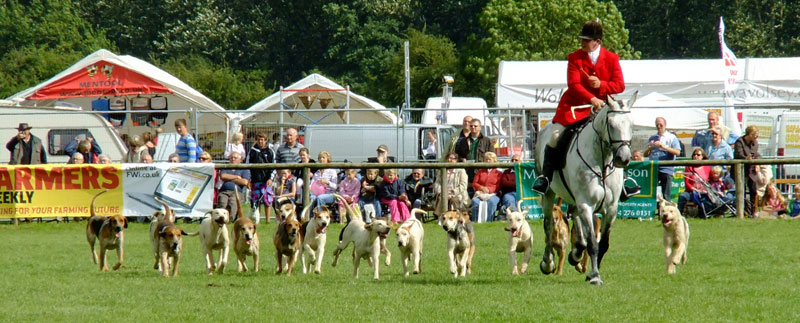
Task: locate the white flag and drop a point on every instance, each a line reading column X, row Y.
column 729, row 87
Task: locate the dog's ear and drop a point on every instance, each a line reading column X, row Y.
column 394, row 226
column 368, row 226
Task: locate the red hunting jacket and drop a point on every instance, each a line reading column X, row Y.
column 579, row 92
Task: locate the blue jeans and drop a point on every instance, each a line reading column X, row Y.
column 491, row 206
column 375, row 204
column 509, row 199
column 324, row 199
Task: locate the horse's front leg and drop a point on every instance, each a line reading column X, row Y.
column 548, row 266
column 605, row 232
column 585, row 212
column 579, row 240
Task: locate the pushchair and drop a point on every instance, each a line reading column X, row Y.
column 712, row 202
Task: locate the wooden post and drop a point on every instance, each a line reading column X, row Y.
column 306, row 185
column 738, row 170
column 442, row 207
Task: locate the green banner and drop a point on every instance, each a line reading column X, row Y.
column 638, row 206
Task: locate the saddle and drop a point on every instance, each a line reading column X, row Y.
column 559, row 156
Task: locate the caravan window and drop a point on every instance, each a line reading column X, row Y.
column 59, row 138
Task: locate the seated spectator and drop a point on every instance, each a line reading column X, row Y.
column 761, row 175
column 772, row 204
column 173, row 158
column 794, row 204
column 393, row 193
column 284, row 186
column 370, row 185
column 457, row 182
column 205, row 157
column 722, row 185
column 485, row 185
column 416, row 185
column 233, row 180
column 350, row 189
column 507, row 187
column 104, row 159
column 718, row 149
column 298, row 173
column 147, row 159
column 86, row 146
column 324, row 183
column 236, row 145
column 690, row 178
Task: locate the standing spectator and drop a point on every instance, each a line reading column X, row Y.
column 233, row 180
column 289, row 152
column 350, row 189
column 370, row 185
column 507, row 189
column 692, row 178
column 324, row 182
column 147, row 138
column 86, row 146
column 236, row 144
column 147, row 159
column 663, row 146
column 187, row 148
column 25, row 148
column 702, row 138
column 746, row 147
column 457, row 182
column 104, row 159
column 430, row 149
column 77, row 158
column 275, row 143
column 261, row 178
column 474, row 147
column 485, row 186
column 136, row 150
column 416, row 185
column 462, row 135
column 717, row 148
column 393, row 193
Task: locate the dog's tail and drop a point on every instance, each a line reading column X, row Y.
column 304, row 214
column 168, row 215
column 91, row 210
column 350, row 212
column 416, row 211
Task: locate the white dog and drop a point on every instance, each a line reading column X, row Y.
column 460, row 242
column 214, row 236
column 315, row 234
column 520, row 239
column 676, row 234
column 365, row 237
column 409, row 239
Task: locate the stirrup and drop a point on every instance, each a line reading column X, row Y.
column 541, row 184
column 629, row 191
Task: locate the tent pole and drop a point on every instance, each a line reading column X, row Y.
column 280, row 106
column 347, row 105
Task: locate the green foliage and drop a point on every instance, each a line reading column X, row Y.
column 28, row 66
column 230, row 88
column 537, row 30
column 430, row 57
column 737, row 270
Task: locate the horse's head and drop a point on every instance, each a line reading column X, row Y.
column 619, row 130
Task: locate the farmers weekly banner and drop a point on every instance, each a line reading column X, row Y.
column 638, row 206
column 33, row 191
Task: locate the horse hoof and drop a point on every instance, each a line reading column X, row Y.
column 573, row 259
column 547, row 268
column 596, row 281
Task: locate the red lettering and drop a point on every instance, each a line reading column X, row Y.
column 5, row 179
column 71, row 175
column 23, row 178
column 89, row 175
column 43, row 179
column 112, row 175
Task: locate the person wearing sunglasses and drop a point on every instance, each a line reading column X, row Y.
column 691, row 179
column 718, row 149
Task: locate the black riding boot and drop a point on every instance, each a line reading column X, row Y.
column 629, row 191
column 542, row 182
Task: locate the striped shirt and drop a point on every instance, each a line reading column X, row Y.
column 186, row 148
column 288, row 154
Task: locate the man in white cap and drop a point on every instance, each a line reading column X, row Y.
column 25, row 148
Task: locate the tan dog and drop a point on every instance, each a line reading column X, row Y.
column 286, row 209
column 560, row 236
column 214, row 236
column 410, row 236
column 109, row 230
column 676, row 234
column 159, row 216
column 365, row 238
column 315, row 235
column 245, row 239
column 460, row 242
column 520, row 239
column 169, row 243
column 288, row 243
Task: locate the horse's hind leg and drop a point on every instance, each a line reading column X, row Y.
column 605, row 235
column 586, row 212
column 548, row 266
column 578, row 238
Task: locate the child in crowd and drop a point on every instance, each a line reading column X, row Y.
column 772, row 204
column 722, row 185
column 235, row 146
column 794, row 204
column 369, row 189
column 285, row 185
column 393, row 193
column 349, row 188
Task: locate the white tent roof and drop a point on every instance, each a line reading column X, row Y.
column 460, row 107
column 295, row 111
column 696, row 82
column 180, row 89
column 677, row 113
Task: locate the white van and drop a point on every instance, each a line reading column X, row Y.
column 358, row 142
column 460, row 107
column 56, row 127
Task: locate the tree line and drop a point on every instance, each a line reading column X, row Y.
column 236, row 52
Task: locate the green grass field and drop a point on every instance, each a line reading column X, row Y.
column 738, row 270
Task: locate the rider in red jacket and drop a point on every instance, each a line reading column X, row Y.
column 593, row 73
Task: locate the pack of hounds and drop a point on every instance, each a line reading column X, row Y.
column 305, row 238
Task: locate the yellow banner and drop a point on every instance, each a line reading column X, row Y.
column 34, row 191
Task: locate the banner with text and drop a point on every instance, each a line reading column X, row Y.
column 48, row 191
column 638, row 206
